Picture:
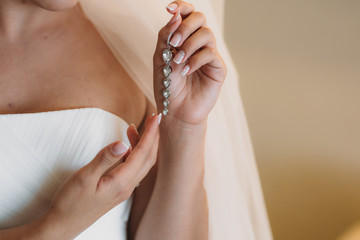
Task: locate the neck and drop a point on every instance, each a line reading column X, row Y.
column 20, row 18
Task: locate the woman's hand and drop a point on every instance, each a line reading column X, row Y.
column 104, row 183
column 198, row 70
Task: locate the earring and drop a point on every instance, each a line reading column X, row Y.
column 167, row 57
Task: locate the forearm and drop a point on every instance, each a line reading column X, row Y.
column 32, row 231
column 44, row 228
column 178, row 206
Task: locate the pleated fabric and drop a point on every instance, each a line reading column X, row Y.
column 39, row 151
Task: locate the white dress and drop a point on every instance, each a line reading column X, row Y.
column 39, row 151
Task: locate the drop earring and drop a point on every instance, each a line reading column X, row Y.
column 167, row 57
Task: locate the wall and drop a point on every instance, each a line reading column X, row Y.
column 299, row 65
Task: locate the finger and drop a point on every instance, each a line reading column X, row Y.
column 133, row 135
column 208, row 57
column 151, row 160
column 188, row 27
column 180, row 9
column 107, row 157
column 184, row 7
column 203, row 37
column 164, row 36
column 142, row 150
column 148, row 119
column 122, row 159
column 138, row 159
column 166, row 32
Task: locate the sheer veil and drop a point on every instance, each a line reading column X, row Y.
column 236, row 206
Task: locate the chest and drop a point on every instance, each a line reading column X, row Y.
column 71, row 68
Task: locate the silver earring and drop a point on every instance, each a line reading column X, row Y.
column 167, row 57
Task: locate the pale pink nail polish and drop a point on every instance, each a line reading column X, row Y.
column 175, row 17
column 179, row 57
column 119, row 148
column 160, row 116
column 172, row 6
column 185, row 70
column 133, row 125
column 175, row 40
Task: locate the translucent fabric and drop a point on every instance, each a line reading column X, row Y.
column 236, row 206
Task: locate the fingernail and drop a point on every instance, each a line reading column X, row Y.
column 172, row 6
column 179, row 57
column 133, row 125
column 185, row 70
column 175, row 40
column 119, row 148
column 153, row 114
column 160, row 115
column 175, row 17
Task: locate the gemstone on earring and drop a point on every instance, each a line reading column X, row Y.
column 167, row 71
column 167, row 55
column 166, row 103
column 167, row 82
column 165, row 111
column 166, row 93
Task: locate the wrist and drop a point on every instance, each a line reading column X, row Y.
column 53, row 227
column 39, row 229
column 181, row 151
column 177, row 138
column 173, row 128
column 48, row 228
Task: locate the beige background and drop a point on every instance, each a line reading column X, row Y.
column 299, row 63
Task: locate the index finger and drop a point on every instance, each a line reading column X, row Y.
column 137, row 160
column 185, row 8
column 181, row 10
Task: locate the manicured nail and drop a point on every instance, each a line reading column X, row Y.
column 175, row 17
column 172, row 6
column 133, row 125
column 175, row 40
column 169, row 37
column 185, row 70
column 160, row 115
column 179, row 57
column 153, row 114
column 119, row 148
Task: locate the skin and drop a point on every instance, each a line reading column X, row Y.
column 168, row 158
column 60, row 77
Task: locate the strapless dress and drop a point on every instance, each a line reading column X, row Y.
column 39, row 151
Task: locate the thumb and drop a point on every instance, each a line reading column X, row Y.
column 107, row 157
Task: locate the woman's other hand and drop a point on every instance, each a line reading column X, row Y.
column 198, row 70
column 103, row 183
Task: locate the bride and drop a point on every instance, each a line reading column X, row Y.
column 63, row 74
